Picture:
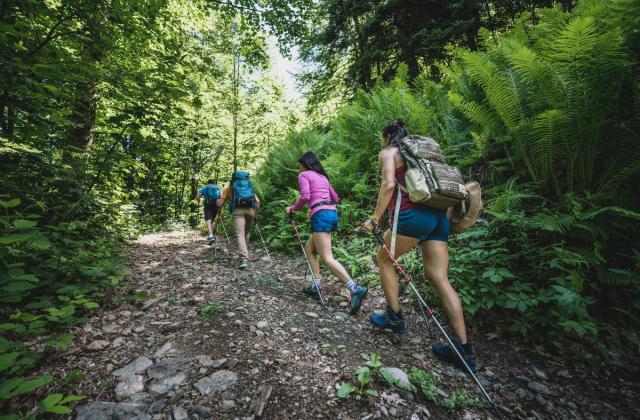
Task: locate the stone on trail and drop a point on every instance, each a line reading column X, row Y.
column 218, row 363
column 311, row 314
column 260, row 399
column 179, row 413
column 262, row 324
column 103, row 410
column 540, row 373
column 398, row 377
column 137, row 366
column 98, row 345
column 205, row 360
column 539, row 388
column 162, row 351
column 167, row 384
column 227, row 405
column 150, row 303
column 167, row 367
column 216, row 382
column 131, row 385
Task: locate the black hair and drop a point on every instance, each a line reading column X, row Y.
column 395, row 130
column 311, row 162
column 211, row 181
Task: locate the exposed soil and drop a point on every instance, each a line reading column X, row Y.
column 260, row 333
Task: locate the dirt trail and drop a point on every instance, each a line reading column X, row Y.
column 212, row 341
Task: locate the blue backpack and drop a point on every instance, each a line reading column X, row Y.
column 243, row 194
column 210, row 193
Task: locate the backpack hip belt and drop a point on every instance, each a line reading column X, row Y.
column 323, row 203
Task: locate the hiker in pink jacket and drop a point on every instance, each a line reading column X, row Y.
column 316, row 192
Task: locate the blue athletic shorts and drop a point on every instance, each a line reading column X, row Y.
column 324, row 221
column 424, row 224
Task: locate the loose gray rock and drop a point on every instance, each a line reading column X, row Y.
column 205, row 360
column 150, row 303
column 179, row 413
column 311, row 314
column 167, row 367
column 157, row 406
column 540, row 373
column 201, row 412
column 397, row 377
column 227, row 405
column 523, row 394
column 137, row 366
column 98, row 345
column 162, row 351
column 167, row 384
column 118, row 342
column 218, row 363
column 130, row 386
column 216, row 382
column 539, row 388
column 262, row 324
column 103, row 410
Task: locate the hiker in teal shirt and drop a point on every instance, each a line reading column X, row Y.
column 210, row 193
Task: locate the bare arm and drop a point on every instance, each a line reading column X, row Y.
column 198, row 196
column 387, row 184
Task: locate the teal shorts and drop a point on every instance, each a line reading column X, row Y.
column 324, row 221
column 424, row 224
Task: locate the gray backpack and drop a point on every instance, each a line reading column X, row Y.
column 429, row 180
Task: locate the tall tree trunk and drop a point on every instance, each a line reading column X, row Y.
column 193, row 220
column 407, row 51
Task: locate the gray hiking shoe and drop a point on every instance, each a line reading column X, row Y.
column 242, row 264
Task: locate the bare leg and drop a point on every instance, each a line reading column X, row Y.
column 435, row 255
column 388, row 277
column 209, row 227
column 310, row 249
column 322, row 242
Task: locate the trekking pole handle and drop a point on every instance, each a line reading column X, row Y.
column 378, row 235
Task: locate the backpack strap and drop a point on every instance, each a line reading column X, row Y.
column 396, row 214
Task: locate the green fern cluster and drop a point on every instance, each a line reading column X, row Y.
column 561, row 93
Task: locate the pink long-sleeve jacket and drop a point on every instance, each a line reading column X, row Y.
column 315, row 188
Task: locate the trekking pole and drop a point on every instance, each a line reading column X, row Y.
column 378, row 235
column 224, row 229
column 422, row 311
column 304, row 252
column 264, row 245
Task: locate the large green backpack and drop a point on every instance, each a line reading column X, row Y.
column 429, row 181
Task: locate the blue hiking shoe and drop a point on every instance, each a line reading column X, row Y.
column 389, row 319
column 357, row 298
column 311, row 291
column 445, row 353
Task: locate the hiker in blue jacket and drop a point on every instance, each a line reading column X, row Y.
column 210, row 193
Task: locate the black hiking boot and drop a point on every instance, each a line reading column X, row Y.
column 311, row 291
column 445, row 353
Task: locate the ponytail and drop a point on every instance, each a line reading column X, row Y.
column 395, row 130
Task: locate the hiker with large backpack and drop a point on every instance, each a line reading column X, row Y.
column 210, row 193
column 417, row 187
column 244, row 206
column 316, row 192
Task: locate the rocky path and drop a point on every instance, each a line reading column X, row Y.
column 196, row 338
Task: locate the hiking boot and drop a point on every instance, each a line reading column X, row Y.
column 356, row 299
column 445, row 353
column 389, row 319
column 242, row 264
column 311, row 291
column 211, row 238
